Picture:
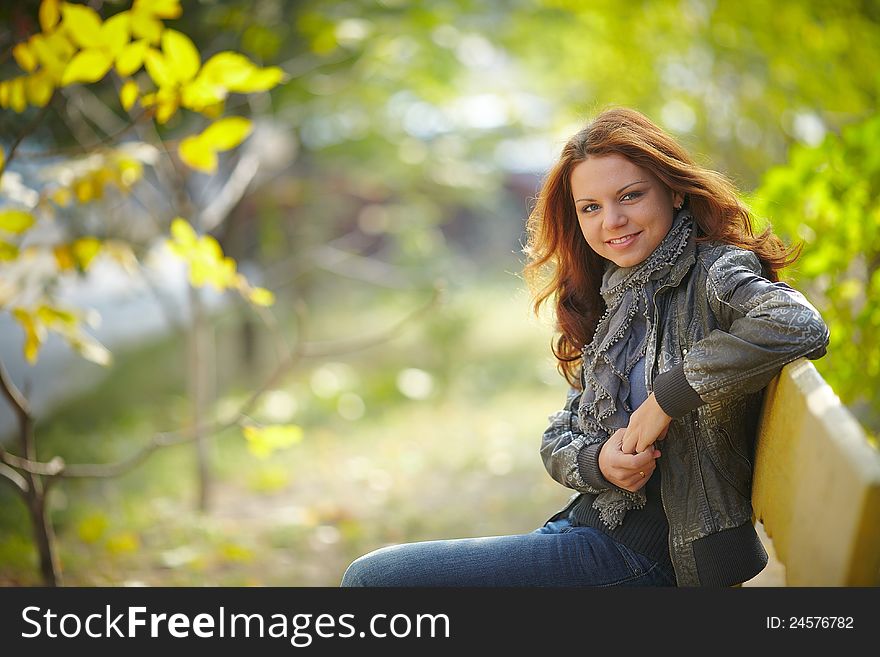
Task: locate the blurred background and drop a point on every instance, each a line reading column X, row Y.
column 381, row 197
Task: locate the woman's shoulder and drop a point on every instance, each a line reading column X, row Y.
column 718, row 258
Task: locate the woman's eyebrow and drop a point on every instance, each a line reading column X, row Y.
column 578, row 200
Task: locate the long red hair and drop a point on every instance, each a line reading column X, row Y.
column 561, row 266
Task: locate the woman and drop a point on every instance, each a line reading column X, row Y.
column 671, row 322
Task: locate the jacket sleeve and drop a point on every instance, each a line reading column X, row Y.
column 566, row 456
column 766, row 325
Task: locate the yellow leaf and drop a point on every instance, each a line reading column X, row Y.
column 227, row 68
column 89, row 349
column 167, row 106
column 129, row 172
column 84, row 250
column 39, row 88
column 262, row 441
column 34, row 334
column 61, row 44
column 8, row 251
column 131, row 58
column 61, row 196
column 50, row 57
column 158, row 68
column 64, row 257
column 2, row 159
column 197, row 154
column 145, row 26
column 51, row 316
column 87, row 66
column 259, row 80
column 227, row 133
column 184, row 234
column 83, row 24
column 49, row 14
column 4, row 93
column 181, row 54
column 160, row 8
column 116, row 32
column 84, row 190
column 128, row 94
column 209, row 267
column 212, row 111
column 91, row 528
column 17, row 95
column 122, row 254
column 236, row 553
column 260, row 296
column 122, row 543
column 25, row 57
column 200, row 94
column 15, row 221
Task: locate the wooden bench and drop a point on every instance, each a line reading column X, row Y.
column 816, row 483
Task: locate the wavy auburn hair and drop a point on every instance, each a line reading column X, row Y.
column 560, row 264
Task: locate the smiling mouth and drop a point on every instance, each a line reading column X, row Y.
column 617, row 241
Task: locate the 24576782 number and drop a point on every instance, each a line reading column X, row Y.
column 810, row 623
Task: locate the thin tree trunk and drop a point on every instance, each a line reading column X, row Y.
column 44, row 533
column 198, row 365
column 36, row 495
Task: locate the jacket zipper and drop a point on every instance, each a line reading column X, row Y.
column 649, row 385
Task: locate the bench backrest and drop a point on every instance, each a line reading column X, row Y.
column 817, row 483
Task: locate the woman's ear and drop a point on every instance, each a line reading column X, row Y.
column 677, row 200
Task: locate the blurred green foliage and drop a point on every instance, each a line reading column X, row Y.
column 828, row 197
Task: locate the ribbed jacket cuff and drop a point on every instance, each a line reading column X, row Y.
column 674, row 394
column 588, row 466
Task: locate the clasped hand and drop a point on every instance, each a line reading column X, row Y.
column 628, row 457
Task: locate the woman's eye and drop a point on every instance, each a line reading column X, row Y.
column 630, row 196
column 592, row 207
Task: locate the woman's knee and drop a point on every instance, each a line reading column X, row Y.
column 365, row 570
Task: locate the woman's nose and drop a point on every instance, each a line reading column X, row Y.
column 615, row 219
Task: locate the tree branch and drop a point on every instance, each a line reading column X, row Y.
column 13, row 394
column 233, row 190
column 14, row 478
column 333, row 348
column 28, row 129
column 57, row 469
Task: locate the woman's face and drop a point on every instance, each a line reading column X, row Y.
column 624, row 210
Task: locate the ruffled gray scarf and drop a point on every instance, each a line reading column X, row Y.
column 609, row 358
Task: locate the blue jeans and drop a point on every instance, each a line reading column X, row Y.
column 556, row 554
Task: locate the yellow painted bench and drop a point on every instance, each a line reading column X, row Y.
column 816, row 483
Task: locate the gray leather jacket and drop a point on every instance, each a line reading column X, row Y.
column 723, row 333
